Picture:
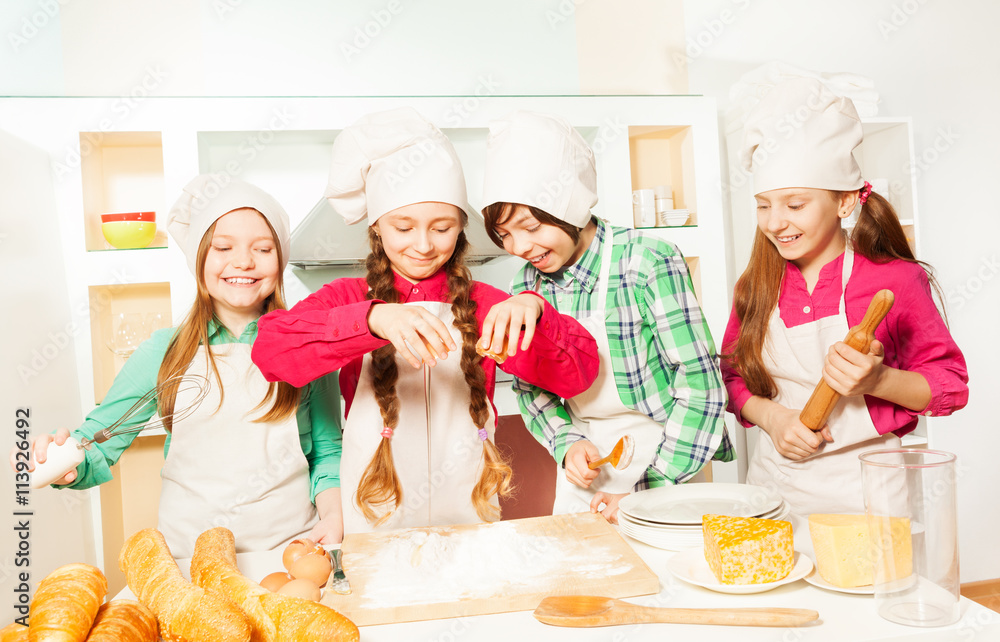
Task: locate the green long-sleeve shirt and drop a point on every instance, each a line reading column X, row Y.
column 318, row 414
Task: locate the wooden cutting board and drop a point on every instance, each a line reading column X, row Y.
column 455, row 571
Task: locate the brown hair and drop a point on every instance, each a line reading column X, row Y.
column 193, row 332
column 500, row 213
column 379, row 486
column 878, row 236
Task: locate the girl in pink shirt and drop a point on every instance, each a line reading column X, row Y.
column 418, row 441
column 805, row 285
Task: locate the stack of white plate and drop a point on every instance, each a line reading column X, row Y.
column 670, row 517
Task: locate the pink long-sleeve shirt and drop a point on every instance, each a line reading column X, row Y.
column 913, row 333
column 328, row 331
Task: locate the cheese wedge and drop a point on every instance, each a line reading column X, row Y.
column 844, row 553
column 747, row 550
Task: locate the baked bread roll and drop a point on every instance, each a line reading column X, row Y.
column 124, row 621
column 14, row 632
column 274, row 618
column 497, row 355
column 66, row 603
column 186, row 613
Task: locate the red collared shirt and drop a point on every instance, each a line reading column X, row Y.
column 328, row 331
column 913, row 333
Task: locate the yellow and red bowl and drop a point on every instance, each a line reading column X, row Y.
column 128, row 216
column 129, row 230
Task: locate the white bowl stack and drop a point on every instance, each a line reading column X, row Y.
column 670, row 517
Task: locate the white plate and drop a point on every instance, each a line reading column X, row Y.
column 685, row 504
column 690, row 566
column 817, row 580
column 778, row 513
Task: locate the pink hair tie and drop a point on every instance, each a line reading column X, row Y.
column 387, row 432
column 483, row 435
column 866, row 191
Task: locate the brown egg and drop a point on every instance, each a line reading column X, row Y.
column 297, row 548
column 301, row 588
column 275, row 581
column 312, row 567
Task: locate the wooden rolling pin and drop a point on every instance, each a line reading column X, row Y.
column 817, row 410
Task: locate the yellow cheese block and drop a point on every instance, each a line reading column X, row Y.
column 844, row 552
column 747, row 550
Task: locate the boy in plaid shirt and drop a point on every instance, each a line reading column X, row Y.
column 659, row 381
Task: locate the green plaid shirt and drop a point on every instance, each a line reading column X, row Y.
column 662, row 351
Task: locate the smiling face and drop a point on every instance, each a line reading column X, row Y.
column 241, row 266
column 804, row 224
column 545, row 246
column 419, row 238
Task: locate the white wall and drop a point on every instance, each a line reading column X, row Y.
column 938, row 63
column 39, row 326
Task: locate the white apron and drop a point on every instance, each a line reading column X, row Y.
column 829, row 481
column 438, row 463
column 600, row 416
column 224, row 470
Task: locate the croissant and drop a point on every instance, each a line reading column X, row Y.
column 66, row 603
column 274, row 617
column 124, row 621
column 186, row 613
column 14, row 632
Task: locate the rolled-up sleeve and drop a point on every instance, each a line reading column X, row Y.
column 320, row 433
column 923, row 344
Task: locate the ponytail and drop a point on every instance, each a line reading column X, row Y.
column 879, row 237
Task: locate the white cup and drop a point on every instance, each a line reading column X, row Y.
column 644, row 208
column 664, row 204
column 644, row 215
column 643, row 197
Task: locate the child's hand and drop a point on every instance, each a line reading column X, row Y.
column 40, row 448
column 610, row 502
column 852, row 373
column 577, row 457
column 328, row 531
column 418, row 335
column 793, row 439
column 505, row 319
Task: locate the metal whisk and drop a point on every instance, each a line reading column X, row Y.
column 62, row 458
column 178, row 384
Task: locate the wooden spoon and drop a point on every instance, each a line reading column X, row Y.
column 824, row 398
column 619, row 457
column 588, row 610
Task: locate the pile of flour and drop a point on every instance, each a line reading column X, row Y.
column 417, row 567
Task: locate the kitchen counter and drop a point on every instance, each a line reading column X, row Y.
column 843, row 617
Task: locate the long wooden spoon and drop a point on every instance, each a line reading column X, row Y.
column 824, row 398
column 619, row 457
column 589, row 610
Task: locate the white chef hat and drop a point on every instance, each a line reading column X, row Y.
column 209, row 197
column 540, row 160
column 802, row 135
column 390, row 159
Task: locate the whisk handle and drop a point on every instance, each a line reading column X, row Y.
column 101, row 437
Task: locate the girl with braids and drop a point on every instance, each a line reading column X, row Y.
column 253, row 456
column 418, row 441
column 805, row 285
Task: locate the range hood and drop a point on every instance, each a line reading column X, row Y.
column 323, row 239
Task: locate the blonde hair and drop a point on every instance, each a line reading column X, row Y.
column 379, row 489
column 193, row 332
